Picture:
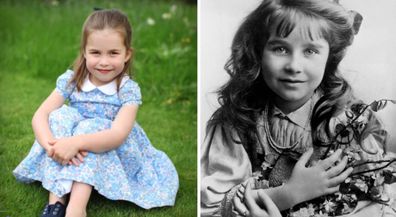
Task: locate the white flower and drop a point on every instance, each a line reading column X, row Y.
column 361, row 185
column 166, row 16
column 54, row 3
column 303, row 212
column 379, row 179
column 265, row 166
column 173, row 9
column 311, row 210
column 150, row 21
column 321, row 215
column 329, row 206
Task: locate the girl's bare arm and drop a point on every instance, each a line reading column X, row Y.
column 104, row 140
column 40, row 124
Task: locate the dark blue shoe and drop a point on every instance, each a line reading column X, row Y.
column 54, row 210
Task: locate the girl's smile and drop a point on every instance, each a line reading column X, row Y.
column 291, row 82
column 104, row 71
column 293, row 67
column 106, row 55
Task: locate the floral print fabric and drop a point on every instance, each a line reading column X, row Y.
column 135, row 171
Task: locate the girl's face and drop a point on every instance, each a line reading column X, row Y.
column 293, row 67
column 105, row 55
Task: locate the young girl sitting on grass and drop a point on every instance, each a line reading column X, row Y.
column 288, row 122
column 95, row 142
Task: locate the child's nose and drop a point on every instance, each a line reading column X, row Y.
column 103, row 61
column 294, row 64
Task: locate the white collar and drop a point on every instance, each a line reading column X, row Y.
column 300, row 116
column 108, row 89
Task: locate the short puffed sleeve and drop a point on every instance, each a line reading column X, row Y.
column 130, row 93
column 63, row 85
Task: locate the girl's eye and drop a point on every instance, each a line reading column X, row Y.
column 114, row 53
column 279, row 50
column 94, row 52
column 309, row 52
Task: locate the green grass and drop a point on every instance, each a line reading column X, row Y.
column 39, row 41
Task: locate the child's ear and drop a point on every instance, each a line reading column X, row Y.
column 129, row 54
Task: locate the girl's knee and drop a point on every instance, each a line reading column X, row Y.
column 65, row 112
column 63, row 120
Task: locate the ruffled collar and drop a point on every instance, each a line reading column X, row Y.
column 108, row 89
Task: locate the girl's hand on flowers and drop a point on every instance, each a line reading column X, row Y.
column 307, row 183
column 259, row 204
column 64, row 150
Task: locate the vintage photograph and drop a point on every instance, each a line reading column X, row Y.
column 298, row 108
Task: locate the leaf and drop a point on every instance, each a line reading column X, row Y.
column 380, row 104
column 349, row 114
column 377, row 105
column 389, row 177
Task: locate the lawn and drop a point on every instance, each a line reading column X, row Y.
column 40, row 39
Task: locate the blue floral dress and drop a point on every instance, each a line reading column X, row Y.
column 134, row 172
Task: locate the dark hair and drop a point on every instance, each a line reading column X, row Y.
column 246, row 93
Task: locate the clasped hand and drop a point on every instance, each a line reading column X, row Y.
column 254, row 202
column 305, row 183
column 65, row 151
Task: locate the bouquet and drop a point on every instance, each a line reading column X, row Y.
column 373, row 167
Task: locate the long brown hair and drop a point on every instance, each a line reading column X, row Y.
column 100, row 20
